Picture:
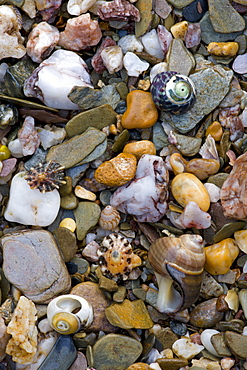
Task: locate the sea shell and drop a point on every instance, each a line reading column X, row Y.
column 173, row 92
column 181, row 260
column 116, row 258
column 109, row 218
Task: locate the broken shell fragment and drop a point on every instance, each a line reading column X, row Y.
column 61, row 316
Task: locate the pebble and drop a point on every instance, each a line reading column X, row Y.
column 69, row 201
column 210, row 287
column 35, row 251
column 145, row 9
column 80, row 362
column 139, row 366
column 73, row 151
column 205, row 315
column 69, row 223
column 86, row 215
column 147, row 111
column 224, row 18
column 164, row 335
column 184, row 348
column 223, row 49
column 179, row 30
column 66, row 241
column 220, row 345
column 243, row 300
column 138, row 148
column 171, row 363
column 129, row 314
column 178, row 50
column 83, row 193
column 120, row 294
column 237, row 344
column 117, row 171
column 206, row 336
column 195, row 10
column 115, row 351
column 240, row 64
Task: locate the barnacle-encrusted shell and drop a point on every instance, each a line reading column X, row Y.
column 181, row 259
column 116, row 258
column 173, row 92
column 109, row 218
column 45, row 176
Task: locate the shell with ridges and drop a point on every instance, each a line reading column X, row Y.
column 173, row 92
column 109, row 218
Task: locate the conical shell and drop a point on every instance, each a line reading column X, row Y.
column 109, row 218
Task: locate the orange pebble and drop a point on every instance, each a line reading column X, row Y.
column 138, row 148
column 215, row 130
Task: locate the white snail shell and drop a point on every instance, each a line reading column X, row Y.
column 61, row 316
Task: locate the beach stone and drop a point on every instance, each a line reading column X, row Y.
column 145, row 9
column 66, row 189
column 141, row 111
column 180, row 3
column 178, row 51
column 73, row 151
column 224, row 18
column 32, row 263
column 240, row 64
column 171, row 363
column 129, row 314
column 120, row 141
column 83, row 193
column 212, row 84
column 115, row 351
column 69, row 201
column 218, row 341
column 76, row 173
column 160, row 138
column 86, row 216
column 117, row 171
column 237, row 344
column 138, row 148
column 67, row 243
column 97, row 298
column 96, row 153
column 98, row 117
column 80, row 362
column 188, row 145
column 139, row 366
column 195, row 11
column 165, row 336
column 120, row 294
column 210, row 287
column 205, row 315
column 223, row 49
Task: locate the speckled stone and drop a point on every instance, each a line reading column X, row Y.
column 129, row 314
column 212, row 84
column 96, row 297
column 237, row 343
column 114, row 351
column 66, row 241
column 205, row 315
column 86, row 215
column 98, row 117
column 178, row 51
column 73, row 151
column 224, row 18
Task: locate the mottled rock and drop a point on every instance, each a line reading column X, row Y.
column 74, row 150
column 205, row 315
column 224, row 18
column 4, row 338
column 115, row 351
column 87, row 215
column 98, row 118
column 35, row 251
column 176, row 52
column 237, row 344
column 164, row 335
column 210, row 287
column 195, row 11
column 212, row 84
column 66, row 241
column 145, row 10
column 96, row 297
column 129, row 314
column 171, row 363
column 220, row 345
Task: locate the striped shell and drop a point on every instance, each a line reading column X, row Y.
column 172, row 92
column 109, row 218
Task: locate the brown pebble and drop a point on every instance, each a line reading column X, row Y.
column 205, row 314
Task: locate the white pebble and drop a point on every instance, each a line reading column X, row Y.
column 134, row 65
column 130, row 43
column 213, row 191
column 152, row 45
column 77, row 7
column 206, row 340
column 112, row 57
column 240, row 64
column 44, row 326
column 158, row 68
column 186, row 349
column 226, row 363
column 51, row 135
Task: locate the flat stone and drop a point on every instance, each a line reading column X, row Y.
column 160, row 138
column 218, row 341
column 210, row 287
column 188, row 145
column 165, row 336
column 114, row 351
column 145, row 9
column 195, row 11
column 171, row 363
column 73, row 151
column 177, row 52
column 237, row 343
column 212, row 84
column 86, row 215
column 224, row 18
column 76, row 173
column 80, row 362
column 120, row 294
column 129, row 314
column 106, row 284
column 96, row 297
column 243, row 300
column 32, row 263
column 180, row 3
column 66, row 189
column 98, row 117
column 67, row 243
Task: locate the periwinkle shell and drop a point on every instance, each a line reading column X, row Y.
column 173, row 92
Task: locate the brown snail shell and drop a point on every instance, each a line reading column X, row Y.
column 181, row 259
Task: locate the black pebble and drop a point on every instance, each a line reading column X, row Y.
column 195, row 11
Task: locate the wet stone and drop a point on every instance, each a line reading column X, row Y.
column 205, row 315
column 218, row 341
column 195, row 11
column 145, row 9
column 86, row 215
column 178, row 51
column 74, row 150
column 120, row 294
column 96, row 153
column 237, row 344
column 188, row 145
column 224, row 18
column 121, row 140
column 166, row 336
column 212, row 84
column 76, row 173
column 69, row 201
column 232, row 325
column 116, row 352
column 171, row 363
column 67, row 242
column 160, row 138
column 98, row 117
column 129, row 314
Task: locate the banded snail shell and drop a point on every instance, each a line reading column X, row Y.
column 109, row 218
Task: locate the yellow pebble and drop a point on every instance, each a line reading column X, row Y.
column 117, row 171
column 220, row 256
column 69, row 223
column 241, row 240
column 202, row 167
column 138, row 148
column 179, row 30
column 223, row 49
column 215, row 130
column 83, row 193
column 141, row 111
column 4, row 152
column 187, row 187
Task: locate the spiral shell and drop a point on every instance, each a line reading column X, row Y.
column 172, row 92
column 182, row 259
column 109, row 218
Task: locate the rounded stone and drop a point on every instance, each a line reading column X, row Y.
column 223, row 49
column 205, row 314
column 237, row 344
column 139, row 366
column 67, row 242
column 138, row 148
column 117, row 171
column 141, row 111
column 114, row 351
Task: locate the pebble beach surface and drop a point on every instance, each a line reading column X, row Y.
column 123, row 185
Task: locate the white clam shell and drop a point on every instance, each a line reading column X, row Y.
column 206, row 336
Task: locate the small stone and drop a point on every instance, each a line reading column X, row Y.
column 67, row 242
column 243, row 300
column 120, row 141
column 171, row 363
column 120, row 294
column 160, row 138
column 87, row 215
column 193, row 35
column 134, row 65
column 106, row 284
column 184, row 348
column 83, row 193
column 74, row 150
column 129, row 314
column 205, row 315
column 141, row 111
column 138, row 148
column 164, row 335
column 80, row 362
column 224, row 18
column 152, row 44
column 116, row 352
column 96, row 297
column 69, row 201
column 98, row 118
column 117, row 171
column 145, row 9
column 210, row 287
column 68, row 223
column 195, row 11
column 218, row 341
column 177, row 51
column 223, row 49
column 139, row 366
column 188, row 145
column 179, row 30
column 240, row 64
column 237, row 344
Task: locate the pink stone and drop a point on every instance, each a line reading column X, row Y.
column 47, row 8
column 80, row 33
column 97, row 61
column 8, row 166
column 165, row 38
column 28, row 136
column 193, row 35
column 118, row 10
column 240, row 64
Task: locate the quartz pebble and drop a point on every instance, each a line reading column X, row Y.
column 184, row 348
column 226, row 49
column 134, row 65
